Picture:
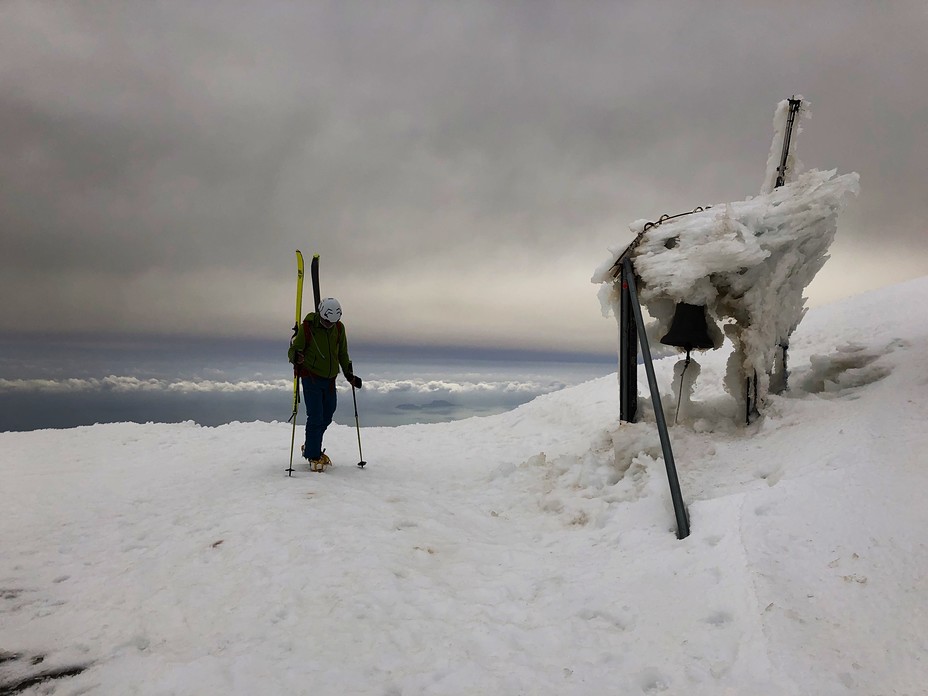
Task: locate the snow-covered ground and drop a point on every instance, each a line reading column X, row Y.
column 531, row 552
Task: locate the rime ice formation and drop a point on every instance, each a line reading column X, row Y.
column 793, row 165
column 748, row 262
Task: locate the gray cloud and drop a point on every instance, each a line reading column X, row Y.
column 461, row 167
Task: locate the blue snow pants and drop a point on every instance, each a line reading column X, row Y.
column 319, row 396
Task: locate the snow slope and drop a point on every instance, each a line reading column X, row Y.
column 527, row 553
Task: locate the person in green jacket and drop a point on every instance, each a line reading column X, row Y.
column 318, row 350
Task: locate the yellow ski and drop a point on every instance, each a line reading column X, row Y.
column 296, row 379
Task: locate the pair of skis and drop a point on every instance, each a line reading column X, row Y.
column 314, row 274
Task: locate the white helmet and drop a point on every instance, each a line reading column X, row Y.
column 330, row 310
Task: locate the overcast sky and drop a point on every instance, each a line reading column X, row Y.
column 461, row 167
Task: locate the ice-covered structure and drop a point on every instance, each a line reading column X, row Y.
column 748, row 263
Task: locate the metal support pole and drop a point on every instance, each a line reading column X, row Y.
column 752, row 409
column 794, row 106
column 683, row 523
column 785, row 347
column 628, row 355
column 751, row 399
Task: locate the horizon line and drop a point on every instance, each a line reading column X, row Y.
column 230, row 342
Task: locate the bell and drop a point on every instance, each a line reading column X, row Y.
column 689, row 328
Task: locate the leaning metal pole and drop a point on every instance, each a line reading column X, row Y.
column 683, row 523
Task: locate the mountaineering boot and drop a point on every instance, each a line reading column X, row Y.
column 320, row 464
column 312, row 466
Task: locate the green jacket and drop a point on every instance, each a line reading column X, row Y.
column 323, row 350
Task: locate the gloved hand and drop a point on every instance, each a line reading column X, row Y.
column 354, row 381
column 298, row 358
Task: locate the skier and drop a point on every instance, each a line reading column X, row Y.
column 318, row 350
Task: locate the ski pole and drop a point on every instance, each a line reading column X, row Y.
column 357, row 425
column 296, row 412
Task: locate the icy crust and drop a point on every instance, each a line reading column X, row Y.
column 748, row 262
